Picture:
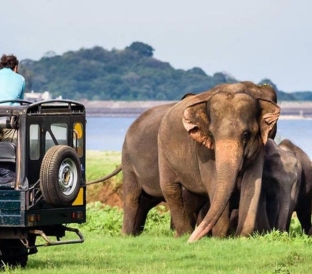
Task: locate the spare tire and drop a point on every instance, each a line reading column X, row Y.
column 60, row 175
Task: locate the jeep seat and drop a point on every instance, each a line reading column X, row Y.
column 7, row 164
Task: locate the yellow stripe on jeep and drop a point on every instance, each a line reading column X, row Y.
column 79, row 198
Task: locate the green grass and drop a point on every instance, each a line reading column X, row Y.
column 164, row 254
column 158, row 251
column 101, row 163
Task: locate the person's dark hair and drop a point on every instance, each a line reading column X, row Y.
column 8, row 61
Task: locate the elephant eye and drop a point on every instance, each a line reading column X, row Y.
column 246, row 136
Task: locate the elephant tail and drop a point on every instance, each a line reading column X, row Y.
column 115, row 172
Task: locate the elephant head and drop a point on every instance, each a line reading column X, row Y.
column 235, row 126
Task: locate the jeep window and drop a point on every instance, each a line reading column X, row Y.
column 34, row 142
column 56, row 135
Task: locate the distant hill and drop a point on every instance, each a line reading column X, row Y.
column 129, row 74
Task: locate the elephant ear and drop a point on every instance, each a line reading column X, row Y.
column 196, row 123
column 270, row 113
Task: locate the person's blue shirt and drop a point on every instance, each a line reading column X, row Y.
column 12, row 85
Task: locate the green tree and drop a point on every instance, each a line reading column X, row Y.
column 141, row 48
column 127, row 74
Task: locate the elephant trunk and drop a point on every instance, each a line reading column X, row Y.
column 228, row 162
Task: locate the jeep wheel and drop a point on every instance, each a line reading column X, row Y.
column 60, row 175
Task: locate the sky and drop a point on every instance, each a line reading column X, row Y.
column 247, row 39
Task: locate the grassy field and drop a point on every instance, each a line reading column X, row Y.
column 100, row 163
column 158, row 251
column 165, row 254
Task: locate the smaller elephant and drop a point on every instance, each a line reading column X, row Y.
column 303, row 205
column 287, row 187
column 281, row 187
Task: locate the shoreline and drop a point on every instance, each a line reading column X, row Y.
column 289, row 110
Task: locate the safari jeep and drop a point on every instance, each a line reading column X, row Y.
column 42, row 176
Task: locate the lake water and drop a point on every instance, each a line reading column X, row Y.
column 107, row 133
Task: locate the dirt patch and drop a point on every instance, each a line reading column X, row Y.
column 107, row 193
column 111, row 196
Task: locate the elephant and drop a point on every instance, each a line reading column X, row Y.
column 141, row 189
column 286, row 187
column 303, row 203
column 282, row 181
column 212, row 144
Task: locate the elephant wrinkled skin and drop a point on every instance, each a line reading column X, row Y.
column 213, row 143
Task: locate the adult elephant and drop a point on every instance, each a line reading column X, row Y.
column 303, row 203
column 141, row 188
column 213, row 143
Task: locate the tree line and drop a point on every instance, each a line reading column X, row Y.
column 128, row 74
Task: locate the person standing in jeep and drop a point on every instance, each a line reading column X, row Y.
column 12, row 84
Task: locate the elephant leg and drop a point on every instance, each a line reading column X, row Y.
column 286, row 208
column 233, row 212
column 310, row 231
column 145, row 205
column 182, row 220
column 262, row 221
column 272, row 210
column 221, row 228
column 233, row 221
column 136, row 205
column 173, row 193
column 131, row 208
column 195, row 206
column 135, row 215
column 202, row 213
column 303, row 211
